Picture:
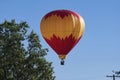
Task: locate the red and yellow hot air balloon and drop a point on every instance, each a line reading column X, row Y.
column 62, row 29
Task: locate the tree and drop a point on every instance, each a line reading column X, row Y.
column 21, row 54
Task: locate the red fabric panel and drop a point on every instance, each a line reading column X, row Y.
column 61, row 13
column 62, row 46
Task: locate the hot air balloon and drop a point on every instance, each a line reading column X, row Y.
column 62, row 29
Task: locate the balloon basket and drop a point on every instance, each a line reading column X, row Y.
column 62, row 62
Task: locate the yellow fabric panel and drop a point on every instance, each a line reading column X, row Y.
column 62, row 27
column 79, row 29
column 62, row 56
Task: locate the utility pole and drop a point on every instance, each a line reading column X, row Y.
column 115, row 75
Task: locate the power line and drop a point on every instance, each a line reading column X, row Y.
column 114, row 76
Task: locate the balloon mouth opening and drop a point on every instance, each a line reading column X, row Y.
column 62, row 57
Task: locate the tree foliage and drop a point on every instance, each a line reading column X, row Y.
column 21, row 54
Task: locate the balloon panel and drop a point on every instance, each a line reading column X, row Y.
column 62, row 46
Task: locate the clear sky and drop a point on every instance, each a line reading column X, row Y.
column 98, row 52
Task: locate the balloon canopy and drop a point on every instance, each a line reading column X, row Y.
column 62, row 29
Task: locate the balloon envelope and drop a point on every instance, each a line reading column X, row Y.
column 62, row 29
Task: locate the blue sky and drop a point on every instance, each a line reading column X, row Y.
column 98, row 52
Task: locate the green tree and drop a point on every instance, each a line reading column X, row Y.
column 21, row 54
